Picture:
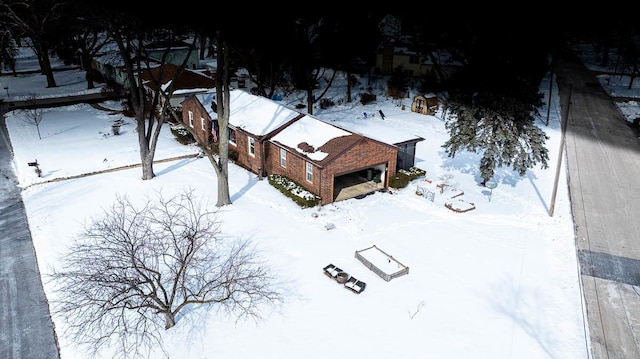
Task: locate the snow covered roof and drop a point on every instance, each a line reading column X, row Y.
column 384, row 133
column 254, row 114
column 311, row 137
column 305, row 134
column 318, row 140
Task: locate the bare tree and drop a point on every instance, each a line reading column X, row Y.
column 89, row 40
column 131, row 34
column 36, row 20
column 136, row 268
column 8, row 52
column 33, row 114
column 313, row 79
column 218, row 152
column 308, row 70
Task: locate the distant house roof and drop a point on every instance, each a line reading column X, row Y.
column 112, row 58
column 443, row 58
column 168, row 44
column 188, row 79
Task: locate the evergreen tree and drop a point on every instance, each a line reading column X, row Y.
column 502, row 128
column 494, row 100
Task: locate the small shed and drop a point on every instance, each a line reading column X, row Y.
column 426, row 104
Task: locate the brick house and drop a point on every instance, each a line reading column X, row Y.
column 188, row 82
column 266, row 138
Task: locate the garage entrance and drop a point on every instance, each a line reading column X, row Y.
column 359, row 184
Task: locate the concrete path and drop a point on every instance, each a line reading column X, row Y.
column 603, row 159
column 26, row 329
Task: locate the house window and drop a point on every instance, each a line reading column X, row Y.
column 202, row 124
column 283, row 158
column 252, row 146
column 191, row 119
column 232, row 136
column 309, row 172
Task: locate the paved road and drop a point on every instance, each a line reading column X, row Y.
column 603, row 159
column 26, row 329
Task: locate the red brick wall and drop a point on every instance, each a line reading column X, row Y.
column 246, row 160
column 199, row 112
column 241, row 146
column 295, row 170
column 364, row 155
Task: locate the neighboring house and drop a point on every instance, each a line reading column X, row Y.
column 176, row 53
column 414, row 61
column 111, row 66
column 239, row 79
column 426, row 104
column 269, row 138
column 189, row 82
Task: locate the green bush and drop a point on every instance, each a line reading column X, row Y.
column 294, row 190
column 403, row 177
column 183, row 136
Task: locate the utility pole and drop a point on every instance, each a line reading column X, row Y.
column 563, row 125
column 550, row 89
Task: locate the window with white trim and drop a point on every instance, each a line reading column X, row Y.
column 202, row 124
column 252, row 146
column 191, row 119
column 283, row 158
column 309, row 172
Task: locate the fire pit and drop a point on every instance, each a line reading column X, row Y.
column 342, row 277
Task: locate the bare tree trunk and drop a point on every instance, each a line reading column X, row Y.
column 223, row 187
column 43, row 54
column 169, row 320
column 222, row 99
column 146, row 152
column 146, row 156
column 86, row 66
column 310, row 100
column 315, row 79
column 633, row 76
column 203, row 46
column 348, row 86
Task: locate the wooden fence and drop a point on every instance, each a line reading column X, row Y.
column 376, row 266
